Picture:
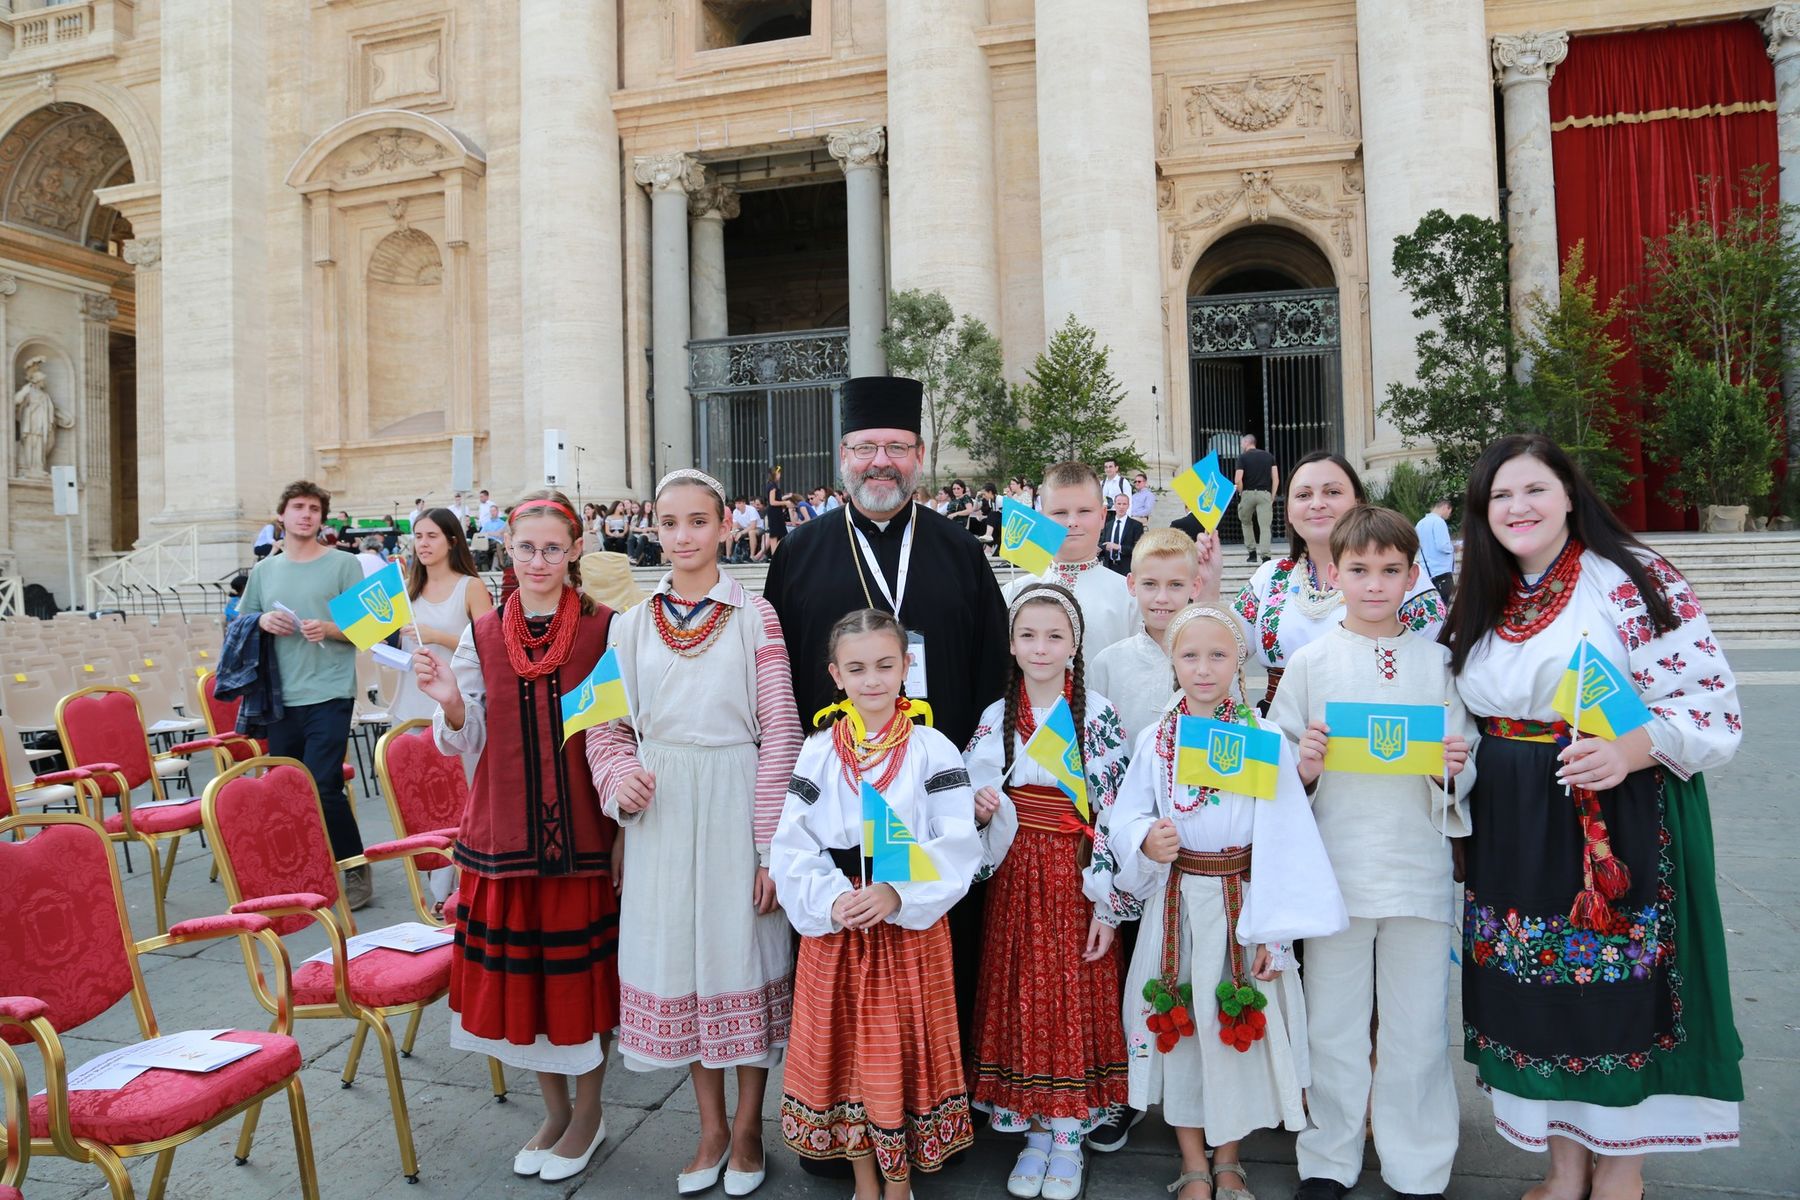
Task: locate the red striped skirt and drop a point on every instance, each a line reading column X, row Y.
column 1050, row 1040
column 873, row 1062
column 536, row 957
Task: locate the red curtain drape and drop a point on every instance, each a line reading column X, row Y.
column 1637, row 120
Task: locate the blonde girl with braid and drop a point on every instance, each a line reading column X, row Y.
column 1049, row 1054
column 1215, row 1020
column 874, row 1064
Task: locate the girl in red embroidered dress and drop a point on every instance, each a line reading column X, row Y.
column 533, row 980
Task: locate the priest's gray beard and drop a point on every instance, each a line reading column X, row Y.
column 879, row 489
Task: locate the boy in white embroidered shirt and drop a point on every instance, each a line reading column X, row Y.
column 1070, row 496
column 1135, row 674
column 1388, row 839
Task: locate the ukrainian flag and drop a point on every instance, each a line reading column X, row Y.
column 1609, row 705
column 1205, row 490
column 374, row 608
column 892, row 853
column 1385, row 739
column 1028, row 539
column 1054, row 748
column 599, row 699
column 1232, row 758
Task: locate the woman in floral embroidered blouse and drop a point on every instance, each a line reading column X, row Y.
column 1595, row 1000
column 1288, row 601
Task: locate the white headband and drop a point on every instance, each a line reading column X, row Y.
column 1194, row 612
column 690, row 475
column 1044, row 591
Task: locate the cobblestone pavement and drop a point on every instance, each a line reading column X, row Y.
column 466, row 1140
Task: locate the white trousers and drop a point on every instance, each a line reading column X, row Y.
column 1400, row 965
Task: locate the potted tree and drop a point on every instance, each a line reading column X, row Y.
column 1716, row 439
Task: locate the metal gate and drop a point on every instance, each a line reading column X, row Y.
column 768, row 399
column 1265, row 363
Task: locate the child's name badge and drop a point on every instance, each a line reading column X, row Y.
column 915, row 666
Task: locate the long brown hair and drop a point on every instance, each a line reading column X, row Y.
column 1489, row 569
column 538, row 503
column 460, row 559
column 1015, row 676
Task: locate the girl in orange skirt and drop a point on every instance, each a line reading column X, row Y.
column 1049, row 1057
column 533, row 978
column 874, row 1066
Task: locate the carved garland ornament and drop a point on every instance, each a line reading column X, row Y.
column 391, row 149
column 1254, row 191
column 1256, row 104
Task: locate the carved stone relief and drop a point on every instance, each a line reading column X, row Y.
column 36, row 418
column 391, row 150
column 403, row 65
column 52, row 161
column 1257, row 104
column 1256, row 191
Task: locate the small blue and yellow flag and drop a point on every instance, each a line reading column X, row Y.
column 1608, row 705
column 1232, row 758
column 890, row 852
column 1053, row 747
column 1385, row 739
column 1205, row 490
column 599, row 699
column 1028, row 539
column 374, row 608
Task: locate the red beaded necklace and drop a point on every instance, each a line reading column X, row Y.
column 889, row 745
column 1531, row 607
column 1027, row 722
column 688, row 643
column 1225, row 710
column 557, row 640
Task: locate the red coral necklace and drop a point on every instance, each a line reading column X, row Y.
column 1532, row 607
column 556, row 641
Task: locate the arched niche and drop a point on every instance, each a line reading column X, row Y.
column 51, row 161
column 395, row 235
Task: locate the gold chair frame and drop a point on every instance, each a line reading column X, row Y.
column 62, row 1142
column 386, row 779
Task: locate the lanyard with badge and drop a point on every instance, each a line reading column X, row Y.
column 915, row 642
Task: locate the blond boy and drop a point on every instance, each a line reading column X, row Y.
column 1135, row 673
column 1070, row 496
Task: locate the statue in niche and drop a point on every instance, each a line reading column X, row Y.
column 38, row 418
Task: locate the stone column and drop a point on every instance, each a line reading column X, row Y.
column 670, row 178
column 145, row 253
column 940, row 130
column 95, row 454
column 1428, row 142
column 215, row 462
column 570, row 271
column 710, row 207
column 1524, row 64
column 1097, row 196
column 858, row 151
column 1782, row 25
column 9, row 287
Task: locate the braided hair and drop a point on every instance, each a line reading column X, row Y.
column 1054, row 595
column 854, row 624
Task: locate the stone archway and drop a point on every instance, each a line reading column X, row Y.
column 1264, row 337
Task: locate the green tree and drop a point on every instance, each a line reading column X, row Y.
column 958, row 364
column 1070, row 406
column 1454, row 268
column 1716, row 439
column 1572, row 396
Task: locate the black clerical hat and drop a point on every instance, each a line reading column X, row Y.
column 881, row 402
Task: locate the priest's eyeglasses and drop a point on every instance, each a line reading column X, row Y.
column 865, row 451
column 524, row 552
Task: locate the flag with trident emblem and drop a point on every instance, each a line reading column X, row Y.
column 1028, row 539
column 1605, row 705
column 1206, row 491
column 374, row 608
column 1227, row 756
column 599, row 699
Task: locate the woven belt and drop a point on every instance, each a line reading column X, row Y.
column 1522, row 729
column 1213, row 862
column 1275, row 674
column 1232, row 865
column 1047, row 810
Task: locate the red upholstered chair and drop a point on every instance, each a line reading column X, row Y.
column 66, row 956
column 426, row 792
column 55, row 787
column 268, row 833
column 221, row 722
column 102, row 730
column 18, row 1126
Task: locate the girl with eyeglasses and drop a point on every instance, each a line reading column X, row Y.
column 533, row 980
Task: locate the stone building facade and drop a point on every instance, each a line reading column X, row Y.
column 254, row 240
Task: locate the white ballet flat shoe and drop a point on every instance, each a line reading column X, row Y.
column 557, row 1167
column 1060, row 1186
column 528, row 1161
column 691, row 1183
column 742, row 1183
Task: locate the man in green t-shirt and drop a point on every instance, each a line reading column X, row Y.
column 317, row 662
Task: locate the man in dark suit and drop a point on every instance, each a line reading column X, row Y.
column 1120, row 535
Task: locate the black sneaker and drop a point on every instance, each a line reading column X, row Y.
column 1250, row 557
column 1320, row 1189
column 1112, row 1135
